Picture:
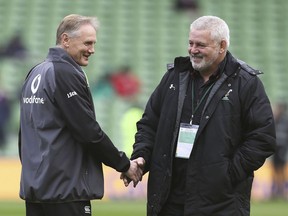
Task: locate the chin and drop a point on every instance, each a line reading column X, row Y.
column 196, row 66
column 83, row 64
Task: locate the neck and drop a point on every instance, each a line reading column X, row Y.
column 205, row 77
column 206, row 74
column 209, row 71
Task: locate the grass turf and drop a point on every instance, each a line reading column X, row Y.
column 121, row 208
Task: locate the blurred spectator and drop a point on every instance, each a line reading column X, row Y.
column 128, row 127
column 102, row 87
column 125, row 82
column 15, row 48
column 186, row 5
column 127, row 86
column 279, row 159
column 4, row 117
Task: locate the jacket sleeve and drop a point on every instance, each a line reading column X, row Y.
column 73, row 98
column 259, row 138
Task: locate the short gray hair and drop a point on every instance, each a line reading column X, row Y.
column 71, row 24
column 218, row 27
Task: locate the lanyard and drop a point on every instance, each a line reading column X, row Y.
column 194, row 109
column 87, row 81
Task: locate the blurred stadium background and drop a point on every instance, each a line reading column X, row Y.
column 143, row 35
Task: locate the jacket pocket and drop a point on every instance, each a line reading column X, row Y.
column 215, row 183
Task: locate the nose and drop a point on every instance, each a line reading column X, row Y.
column 91, row 50
column 192, row 49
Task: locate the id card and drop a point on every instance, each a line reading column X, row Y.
column 186, row 137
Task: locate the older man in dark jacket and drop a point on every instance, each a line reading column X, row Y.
column 206, row 128
column 61, row 144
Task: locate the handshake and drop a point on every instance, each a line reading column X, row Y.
column 134, row 173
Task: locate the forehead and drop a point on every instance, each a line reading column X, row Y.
column 200, row 35
column 87, row 31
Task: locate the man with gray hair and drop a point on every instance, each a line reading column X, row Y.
column 61, row 145
column 206, row 128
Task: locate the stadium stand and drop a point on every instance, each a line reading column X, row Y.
column 146, row 35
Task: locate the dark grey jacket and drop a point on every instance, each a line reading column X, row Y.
column 61, row 144
column 235, row 136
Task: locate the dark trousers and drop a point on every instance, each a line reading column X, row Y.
column 79, row 208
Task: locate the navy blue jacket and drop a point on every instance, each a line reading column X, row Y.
column 62, row 146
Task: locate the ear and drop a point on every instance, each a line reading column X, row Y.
column 223, row 46
column 65, row 40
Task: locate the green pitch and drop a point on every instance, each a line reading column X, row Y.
column 126, row 208
column 99, row 208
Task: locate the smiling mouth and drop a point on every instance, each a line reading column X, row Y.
column 196, row 56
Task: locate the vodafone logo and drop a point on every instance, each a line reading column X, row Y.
column 34, row 88
column 35, row 83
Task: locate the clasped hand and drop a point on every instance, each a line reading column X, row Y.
column 134, row 173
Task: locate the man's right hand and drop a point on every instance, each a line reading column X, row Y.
column 134, row 173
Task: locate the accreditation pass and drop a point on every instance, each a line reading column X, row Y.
column 186, row 137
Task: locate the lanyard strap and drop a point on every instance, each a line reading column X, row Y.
column 87, row 81
column 194, row 109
